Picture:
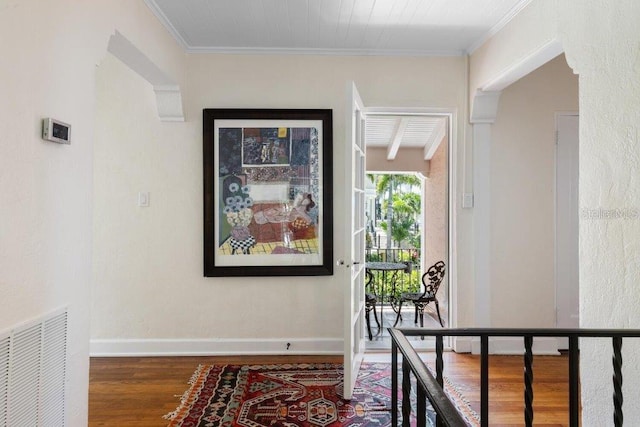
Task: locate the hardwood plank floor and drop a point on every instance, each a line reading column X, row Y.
column 138, row 391
column 506, row 387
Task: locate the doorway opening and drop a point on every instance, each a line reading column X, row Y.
column 407, row 220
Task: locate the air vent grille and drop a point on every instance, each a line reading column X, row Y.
column 4, row 379
column 33, row 360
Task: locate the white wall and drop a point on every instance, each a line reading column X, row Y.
column 600, row 39
column 522, row 195
column 49, row 53
column 148, row 261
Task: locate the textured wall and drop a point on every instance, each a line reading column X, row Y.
column 50, row 50
column 601, row 42
column 436, row 214
column 603, row 47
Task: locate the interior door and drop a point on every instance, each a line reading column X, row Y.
column 567, row 286
column 354, row 300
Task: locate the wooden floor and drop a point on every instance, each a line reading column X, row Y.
column 139, row 391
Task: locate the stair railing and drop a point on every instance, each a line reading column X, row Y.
column 428, row 387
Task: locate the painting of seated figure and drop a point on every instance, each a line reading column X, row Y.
column 270, row 205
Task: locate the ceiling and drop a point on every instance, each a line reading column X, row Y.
column 352, row 27
column 342, row 27
column 393, row 132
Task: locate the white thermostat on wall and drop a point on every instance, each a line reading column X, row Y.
column 56, row 131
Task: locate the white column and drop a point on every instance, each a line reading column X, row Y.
column 483, row 114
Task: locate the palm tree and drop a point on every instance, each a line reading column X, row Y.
column 405, row 204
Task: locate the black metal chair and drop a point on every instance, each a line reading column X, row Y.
column 431, row 281
column 370, row 305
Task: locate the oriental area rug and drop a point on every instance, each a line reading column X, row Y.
column 292, row 395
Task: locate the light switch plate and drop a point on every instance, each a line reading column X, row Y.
column 144, row 199
column 467, row 200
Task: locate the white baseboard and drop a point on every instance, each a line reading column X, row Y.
column 214, row 347
column 506, row 345
column 515, row 346
column 461, row 344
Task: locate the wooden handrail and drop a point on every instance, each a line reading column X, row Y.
column 425, row 382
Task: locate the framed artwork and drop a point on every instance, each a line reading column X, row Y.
column 268, row 192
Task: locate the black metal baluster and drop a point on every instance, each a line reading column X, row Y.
column 574, row 378
column 439, row 362
column 406, row 393
column 617, row 381
column 484, row 381
column 439, row 369
column 448, row 415
column 394, row 383
column 528, row 380
column 421, row 406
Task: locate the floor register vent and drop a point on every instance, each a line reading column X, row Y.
column 33, row 364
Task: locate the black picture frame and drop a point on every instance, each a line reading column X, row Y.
column 268, row 192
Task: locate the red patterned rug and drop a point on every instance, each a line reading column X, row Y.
column 291, row 395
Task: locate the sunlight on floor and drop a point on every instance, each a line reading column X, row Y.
column 381, row 342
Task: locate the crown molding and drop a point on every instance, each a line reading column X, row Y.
column 515, row 10
column 155, row 9
column 319, row 51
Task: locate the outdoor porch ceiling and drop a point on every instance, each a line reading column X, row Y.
column 394, row 132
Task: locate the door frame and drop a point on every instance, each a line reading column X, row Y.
column 453, row 195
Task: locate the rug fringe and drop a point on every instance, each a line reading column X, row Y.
column 199, row 378
column 461, row 403
column 195, row 382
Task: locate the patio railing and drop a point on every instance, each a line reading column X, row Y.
column 408, row 282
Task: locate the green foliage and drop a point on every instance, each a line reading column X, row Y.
column 406, row 206
column 414, row 241
column 374, row 257
column 406, row 203
column 410, row 284
column 402, row 208
column 409, row 255
column 405, row 282
column 394, row 181
column 401, row 229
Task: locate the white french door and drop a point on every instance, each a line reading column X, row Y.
column 354, row 271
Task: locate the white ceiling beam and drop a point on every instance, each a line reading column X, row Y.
column 168, row 95
column 526, row 65
column 392, row 150
column 435, row 138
